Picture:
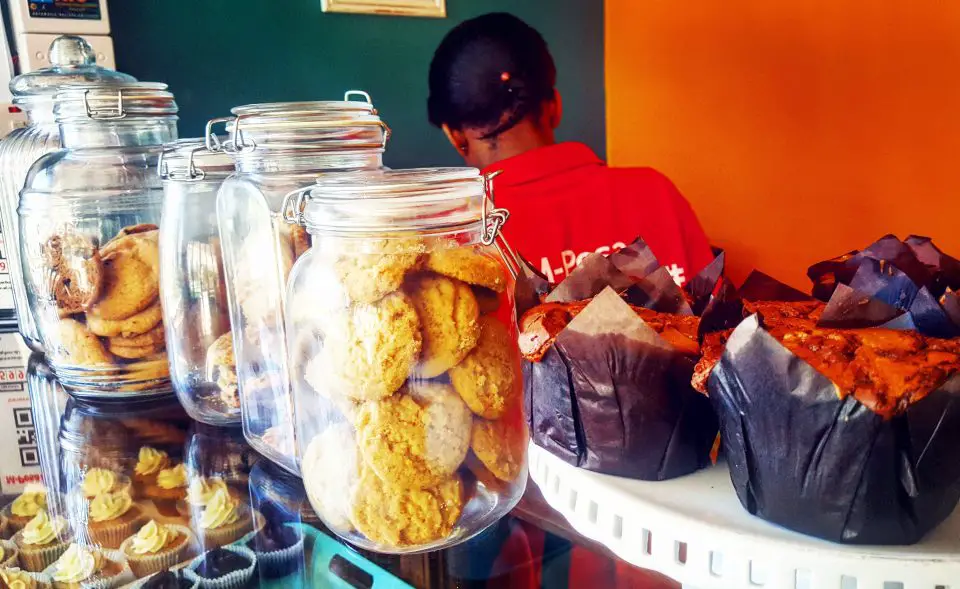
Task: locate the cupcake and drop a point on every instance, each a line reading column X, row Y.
column 113, row 517
column 39, row 542
column 156, row 547
column 83, row 568
column 9, row 555
column 25, row 507
column 149, row 464
column 230, row 567
column 224, row 520
column 181, row 579
column 169, row 487
column 279, row 550
column 101, row 480
column 14, row 578
column 199, row 493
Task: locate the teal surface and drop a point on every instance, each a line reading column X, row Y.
column 215, row 54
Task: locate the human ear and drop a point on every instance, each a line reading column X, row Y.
column 556, row 113
column 457, row 138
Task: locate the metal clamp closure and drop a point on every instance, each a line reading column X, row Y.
column 210, row 139
column 293, row 204
column 493, row 220
column 193, row 174
column 106, row 114
column 360, row 93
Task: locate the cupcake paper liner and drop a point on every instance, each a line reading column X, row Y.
column 144, row 565
column 280, row 563
column 124, row 577
column 10, row 554
column 114, row 533
column 234, row 580
column 42, row 580
column 37, row 558
column 214, row 537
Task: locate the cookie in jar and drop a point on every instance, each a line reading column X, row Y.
column 404, row 359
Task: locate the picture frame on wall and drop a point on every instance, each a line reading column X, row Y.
column 429, row 8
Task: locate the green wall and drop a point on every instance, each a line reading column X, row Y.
column 215, row 54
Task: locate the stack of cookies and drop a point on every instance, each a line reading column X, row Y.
column 107, row 300
column 419, row 377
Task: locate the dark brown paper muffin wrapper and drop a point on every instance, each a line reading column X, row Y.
column 802, row 458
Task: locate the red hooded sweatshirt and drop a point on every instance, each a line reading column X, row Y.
column 565, row 203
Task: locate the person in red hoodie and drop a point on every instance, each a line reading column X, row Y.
column 492, row 86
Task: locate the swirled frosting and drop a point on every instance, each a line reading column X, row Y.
column 16, row 579
column 152, row 538
column 30, row 502
column 222, row 509
column 75, row 565
column 42, row 530
column 201, row 490
column 172, row 478
column 151, row 461
column 98, row 480
column 110, row 506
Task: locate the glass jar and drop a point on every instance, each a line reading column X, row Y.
column 89, row 240
column 72, row 61
column 278, row 148
column 403, row 356
column 48, row 402
column 192, row 292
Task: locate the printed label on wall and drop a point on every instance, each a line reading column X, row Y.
column 6, row 289
column 19, row 456
column 74, row 9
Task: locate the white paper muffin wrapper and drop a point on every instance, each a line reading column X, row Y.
column 277, row 559
column 11, row 554
column 234, row 580
column 37, row 559
column 123, row 578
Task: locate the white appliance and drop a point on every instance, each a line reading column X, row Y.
column 36, row 23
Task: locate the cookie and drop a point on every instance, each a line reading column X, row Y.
column 299, row 240
column 488, row 301
column 368, row 277
column 485, row 378
column 221, row 369
column 468, row 264
column 399, row 517
column 331, row 471
column 74, row 271
column 133, row 352
column 152, row 337
column 417, row 438
column 79, row 347
column 134, row 325
column 257, row 284
column 448, row 313
column 131, row 266
column 139, row 228
column 370, row 350
column 501, row 446
column 316, row 375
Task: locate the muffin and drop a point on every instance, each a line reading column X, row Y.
column 156, row 547
column 199, row 492
column 25, row 507
column 224, row 520
column 149, row 464
column 39, row 542
column 9, row 554
column 14, row 578
column 229, row 567
column 101, row 480
column 279, row 550
column 83, row 568
column 171, row 580
column 169, row 487
column 113, row 517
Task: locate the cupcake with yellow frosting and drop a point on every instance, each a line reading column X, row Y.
column 9, row 555
column 223, row 520
column 170, row 485
column 41, row 541
column 15, row 578
column 156, row 547
column 149, row 464
column 84, row 568
column 100, row 480
column 113, row 517
column 199, row 492
column 25, row 506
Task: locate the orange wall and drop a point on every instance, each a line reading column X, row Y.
column 798, row 129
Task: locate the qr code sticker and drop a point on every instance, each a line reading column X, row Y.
column 29, row 456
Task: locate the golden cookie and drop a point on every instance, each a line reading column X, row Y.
column 131, row 267
column 487, row 300
column 331, row 471
column 74, row 269
column 140, row 228
column 136, row 324
column 417, row 438
column 79, row 347
column 133, row 352
column 448, row 313
column 367, row 278
column 370, row 350
column 485, row 378
column 150, row 338
column 469, row 264
column 403, row 517
column 221, row 369
column 501, row 446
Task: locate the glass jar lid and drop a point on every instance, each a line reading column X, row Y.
column 189, row 160
column 110, row 102
column 429, row 201
column 348, row 124
column 72, row 61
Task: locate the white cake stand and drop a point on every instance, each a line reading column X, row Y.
column 694, row 530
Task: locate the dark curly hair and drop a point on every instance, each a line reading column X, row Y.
column 489, row 73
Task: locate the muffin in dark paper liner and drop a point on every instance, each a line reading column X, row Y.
column 607, row 380
column 805, row 458
column 279, row 550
